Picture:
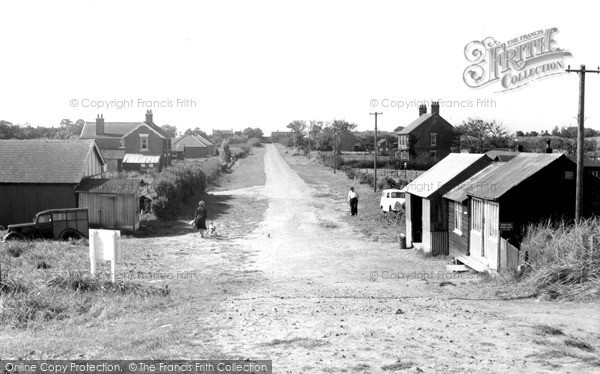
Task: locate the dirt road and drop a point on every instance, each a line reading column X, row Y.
column 332, row 300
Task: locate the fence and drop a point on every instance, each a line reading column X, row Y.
column 509, row 256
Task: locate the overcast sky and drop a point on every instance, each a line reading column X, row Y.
column 266, row 63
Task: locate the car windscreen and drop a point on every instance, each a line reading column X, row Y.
column 397, row 195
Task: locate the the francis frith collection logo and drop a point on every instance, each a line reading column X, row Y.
column 516, row 62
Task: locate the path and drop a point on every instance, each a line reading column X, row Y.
column 326, row 303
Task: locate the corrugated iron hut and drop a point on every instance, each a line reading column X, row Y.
column 427, row 210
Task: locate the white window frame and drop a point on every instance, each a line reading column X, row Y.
column 433, row 139
column 458, row 212
column 143, row 141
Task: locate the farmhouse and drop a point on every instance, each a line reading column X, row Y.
column 192, row 146
column 36, row 175
column 429, row 137
column 506, row 197
column 130, row 146
column 111, row 203
column 384, row 146
column 427, row 210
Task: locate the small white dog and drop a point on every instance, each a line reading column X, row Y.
column 212, row 229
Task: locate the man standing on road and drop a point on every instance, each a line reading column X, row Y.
column 353, row 200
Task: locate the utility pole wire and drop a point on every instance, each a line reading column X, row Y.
column 580, row 133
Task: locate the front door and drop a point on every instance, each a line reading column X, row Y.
column 107, row 211
column 491, row 233
column 476, row 234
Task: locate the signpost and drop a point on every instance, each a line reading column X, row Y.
column 104, row 246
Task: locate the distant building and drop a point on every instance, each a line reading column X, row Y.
column 192, row 146
column 384, row 146
column 429, row 137
column 130, row 146
column 282, row 137
column 223, row 133
column 37, row 175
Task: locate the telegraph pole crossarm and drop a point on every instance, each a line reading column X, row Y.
column 580, row 138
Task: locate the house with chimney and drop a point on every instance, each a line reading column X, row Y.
column 428, row 138
column 130, row 146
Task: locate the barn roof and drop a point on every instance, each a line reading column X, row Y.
column 512, row 173
column 191, row 141
column 459, row 193
column 111, row 129
column 46, row 161
column 442, row 173
column 109, row 185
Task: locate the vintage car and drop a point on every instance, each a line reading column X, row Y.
column 392, row 200
column 54, row 224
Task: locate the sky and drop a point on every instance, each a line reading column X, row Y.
column 238, row 64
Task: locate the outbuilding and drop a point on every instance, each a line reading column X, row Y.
column 111, row 203
column 526, row 190
column 426, row 208
column 37, row 175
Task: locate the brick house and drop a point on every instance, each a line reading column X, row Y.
column 192, row 146
column 428, row 138
column 130, row 146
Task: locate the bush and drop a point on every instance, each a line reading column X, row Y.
column 177, row 183
column 564, row 260
column 254, row 142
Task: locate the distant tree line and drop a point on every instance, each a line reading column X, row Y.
column 66, row 130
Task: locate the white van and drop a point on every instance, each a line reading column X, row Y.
column 392, row 200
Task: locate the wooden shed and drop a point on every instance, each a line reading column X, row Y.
column 528, row 189
column 37, row 175
column 111, row 203
column 426, row 208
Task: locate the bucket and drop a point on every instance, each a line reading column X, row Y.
column 402, row 241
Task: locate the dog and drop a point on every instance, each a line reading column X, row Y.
column 212, row 229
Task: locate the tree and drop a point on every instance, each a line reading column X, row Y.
column 196, row 131
column 519, row 133
column 399, row 128
column 482, row 135
column 533, row 133
column 298, row 127
column 171, row 131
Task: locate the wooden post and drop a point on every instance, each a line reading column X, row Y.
column 375, row 153
column 580, row 139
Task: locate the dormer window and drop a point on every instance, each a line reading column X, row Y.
column 122, row 143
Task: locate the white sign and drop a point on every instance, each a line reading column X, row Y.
column 104, row 246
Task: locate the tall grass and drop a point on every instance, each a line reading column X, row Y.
column 62, row 289
column 564, row 260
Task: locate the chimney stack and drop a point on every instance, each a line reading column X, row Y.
column 422, row 110
column 100, row 124
column 149, row 117
column 435, row 107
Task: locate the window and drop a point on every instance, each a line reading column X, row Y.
column 143, row 167
column 433, row 154
column 144, row 144
column 44, row 218
column 433, row 139
column 569, row 175
column 122, row 143
column 477, row 215
column 457, row 218
column 493, row 222
column 59, row 216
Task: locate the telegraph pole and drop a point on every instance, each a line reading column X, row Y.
column 375, row 151
column 580, row 133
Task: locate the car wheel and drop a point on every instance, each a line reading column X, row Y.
column 13, row 237
column 70, row 236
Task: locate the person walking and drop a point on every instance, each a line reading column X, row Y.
column 353, row 200
column 200, row 218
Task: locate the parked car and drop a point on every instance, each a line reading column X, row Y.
column 392, row 200
column 55, row 224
